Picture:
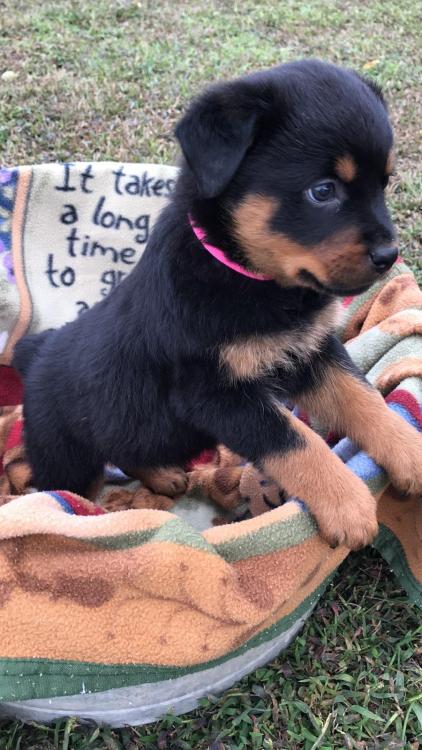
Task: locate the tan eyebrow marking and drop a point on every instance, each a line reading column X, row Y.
column 346, row 168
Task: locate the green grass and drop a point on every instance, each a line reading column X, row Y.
column 97, row 79
column 100, row 79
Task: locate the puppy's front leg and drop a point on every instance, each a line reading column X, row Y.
column 341, row 503
column 252, row 424
column 343, row 400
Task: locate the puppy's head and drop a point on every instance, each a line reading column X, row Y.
column 289, row 168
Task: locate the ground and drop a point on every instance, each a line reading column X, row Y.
column 100, row 79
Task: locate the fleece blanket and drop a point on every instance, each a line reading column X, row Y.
column 93, row 600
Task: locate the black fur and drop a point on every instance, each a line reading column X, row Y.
column 27, row 349
column 136, row 380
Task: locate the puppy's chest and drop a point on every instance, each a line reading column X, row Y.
column 253, row 357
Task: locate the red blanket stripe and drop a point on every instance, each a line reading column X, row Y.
column 79, row 505
column 405, row 399
column 11, row 388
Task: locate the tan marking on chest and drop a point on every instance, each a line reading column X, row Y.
column 251, row 358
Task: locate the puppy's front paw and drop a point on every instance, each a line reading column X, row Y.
column 170, row 481
column 403, row 458
column 350, row 519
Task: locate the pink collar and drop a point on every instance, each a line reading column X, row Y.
column 219, row 255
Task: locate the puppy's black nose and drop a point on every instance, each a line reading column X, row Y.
column 383, row 258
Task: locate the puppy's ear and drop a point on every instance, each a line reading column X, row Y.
column 374, row 86
column 215, row 134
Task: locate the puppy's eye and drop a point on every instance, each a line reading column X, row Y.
column 324, row 192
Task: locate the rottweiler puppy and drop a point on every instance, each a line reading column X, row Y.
column 230, row 313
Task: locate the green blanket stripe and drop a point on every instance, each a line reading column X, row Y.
column 23, row 679
column 378, row 483
column 405, row 347
column 277, row 536
column 391, row 549
column 119, row 541
column 368, row 349
column 174, row 530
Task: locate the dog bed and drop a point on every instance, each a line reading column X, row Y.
column 123, row 615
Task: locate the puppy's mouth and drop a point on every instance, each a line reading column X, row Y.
column 335, row 291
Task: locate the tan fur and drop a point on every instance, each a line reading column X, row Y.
column 391, row 160
column 168, row 480
column 255, row 356
column 346, row 168
column 121, row 499
column 348, row 406
column 282, row 258
column 342, row 505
